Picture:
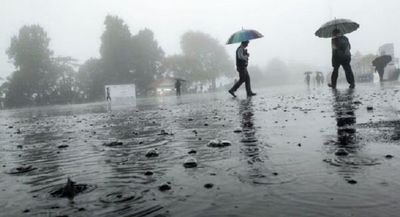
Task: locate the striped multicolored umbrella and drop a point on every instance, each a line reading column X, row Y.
column 244, row 35
column 344, row 25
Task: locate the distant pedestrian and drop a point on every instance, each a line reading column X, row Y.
column 341, row 56
column 321, row 78
column 317, row 78
column 380, row 64
column 242, row 60
column 178, row 85
column 108, row 97
column 308, row 79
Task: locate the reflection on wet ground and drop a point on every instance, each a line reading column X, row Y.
column 287, row 152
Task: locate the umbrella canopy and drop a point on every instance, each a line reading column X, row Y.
column 244, row 35
column 382, row 61
column 344, row 25
column 307, row 73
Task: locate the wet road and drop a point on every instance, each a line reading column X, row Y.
column 294, row 152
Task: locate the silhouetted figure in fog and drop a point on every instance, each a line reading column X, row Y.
column 108, row 97
column 380, row 63
column 341, row 56
column 321, row 78
column 308, row 79
column 242, row 60
column 178, row 85
column 317, row 78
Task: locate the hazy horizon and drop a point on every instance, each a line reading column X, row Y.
column 75, row 26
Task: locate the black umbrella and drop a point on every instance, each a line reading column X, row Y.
column 382, row 61
column 343, row 25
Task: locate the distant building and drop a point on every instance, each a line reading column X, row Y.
column 362, row 67
column 163, row 86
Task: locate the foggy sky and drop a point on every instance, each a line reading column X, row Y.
column 75, row 26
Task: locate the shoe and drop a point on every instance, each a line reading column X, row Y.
column 251, row 94
column 232, row 93
column 331, row 86
column 352, row 86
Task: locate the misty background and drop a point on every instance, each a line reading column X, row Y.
column 75, row 28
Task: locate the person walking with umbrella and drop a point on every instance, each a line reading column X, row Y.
column 341, row 55
column 242, row 59
column 380, row 63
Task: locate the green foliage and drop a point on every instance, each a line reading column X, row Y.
column 31, row 57
column 147, row 57
column 91, row 79
column 207, row 57
column 66, row 87
column 39, row 78
column 125, row 58
column 115, row 52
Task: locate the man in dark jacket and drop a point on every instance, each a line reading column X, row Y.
column 242, row 59
column 341, row 56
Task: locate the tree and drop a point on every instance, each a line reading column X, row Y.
column 66, row 87
column 147, row 58
column 208, row 57
column 91, row 79
column 29, row 51
column 116, row 54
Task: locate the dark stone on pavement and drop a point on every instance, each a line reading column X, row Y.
column 190, row 163
column 71, row 189
column 164, row 187
column 389, row 156
column 113, row 144
column 209, row 185
column 152, row 153
column 216, row 143
column 352, row 181
column 21, row 169
column 148, row 173
column 63, row 146
column 238, row 130
column 192, row 152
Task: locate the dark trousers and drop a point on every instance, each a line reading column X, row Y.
column 347, row 69
column 243, row 78
column 380, row 72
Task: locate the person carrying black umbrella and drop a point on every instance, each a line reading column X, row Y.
column 242, row 60
column 341, row 56
column 380, row 63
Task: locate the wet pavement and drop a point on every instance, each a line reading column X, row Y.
column 289, row 151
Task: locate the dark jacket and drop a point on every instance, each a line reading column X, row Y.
column 241, row 57
column 340, row 50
